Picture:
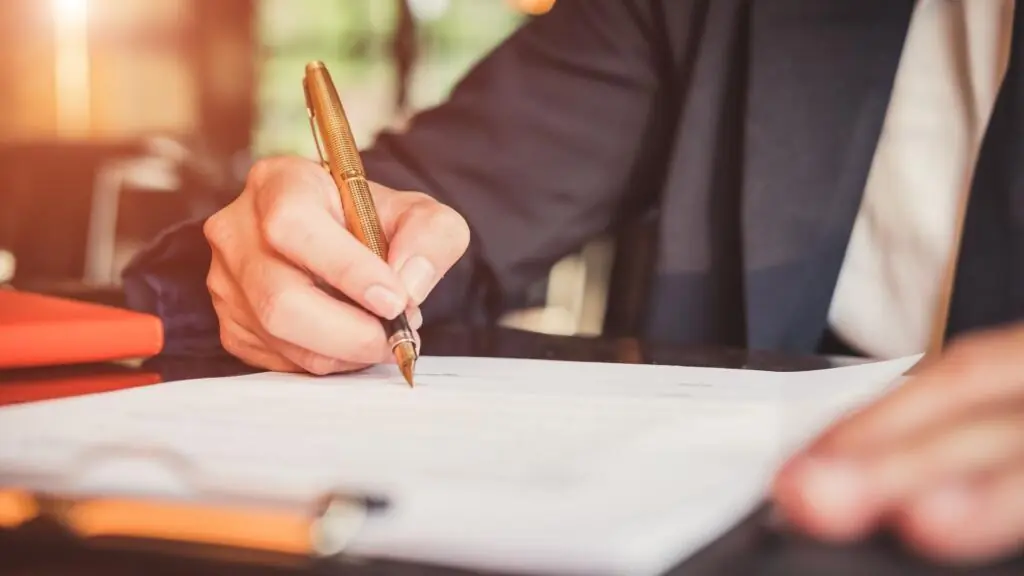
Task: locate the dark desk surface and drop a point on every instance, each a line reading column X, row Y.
column 748, row 549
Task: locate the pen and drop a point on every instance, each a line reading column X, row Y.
column 340, row 156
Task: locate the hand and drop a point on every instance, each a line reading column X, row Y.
column 940, row 460
column 286, row 227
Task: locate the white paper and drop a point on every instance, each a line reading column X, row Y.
column 513, row 465
column 812, row 400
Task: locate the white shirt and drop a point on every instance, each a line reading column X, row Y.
column 891, row 294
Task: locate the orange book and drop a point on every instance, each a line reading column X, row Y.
column 38, row 330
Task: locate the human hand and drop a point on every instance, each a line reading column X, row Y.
column 940, row 460
column 286, row 228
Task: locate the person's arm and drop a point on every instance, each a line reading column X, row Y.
column 537, row 148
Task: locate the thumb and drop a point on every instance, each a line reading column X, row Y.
column 428, row 239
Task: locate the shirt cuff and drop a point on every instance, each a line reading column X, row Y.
column 168, row 280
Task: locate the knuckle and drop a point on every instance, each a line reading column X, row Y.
column 231, row 343
column 262, row 169
column 216, row 284
column 273, row 311
column 454, row 227
column 215, row 229
column 267, row 169
column 280, row 226
column 272, row 178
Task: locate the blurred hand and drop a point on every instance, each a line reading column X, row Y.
column 287, row 227
column 940, row 460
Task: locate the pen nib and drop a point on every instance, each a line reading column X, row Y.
column 407, row 369
column 405, row 353
column 407, row 372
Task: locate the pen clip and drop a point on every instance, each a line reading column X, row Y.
column 312, row 124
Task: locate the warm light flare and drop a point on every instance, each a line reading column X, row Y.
column 533, row 7
column 71, row 11
column 72, row 75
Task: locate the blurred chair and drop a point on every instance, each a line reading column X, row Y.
column 7, row 264
column 157, row 172
column 634, row 258
column 577, row 295
column 600, row 291
column 165, row 167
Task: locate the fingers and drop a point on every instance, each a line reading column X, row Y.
column 283, row 312
column 247, row 347
column 969, row 522
column 969, row 449
column 977, row 373
column 844, row 499
column 910, row 455
column 285, row 230
column 311, row 362
column 298, row 174
column 242, row 338
column 288, row 307
column 297, row 224
column 256, row 351
column 427, row 239
column 829, row 499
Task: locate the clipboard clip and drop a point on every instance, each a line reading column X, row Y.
column 246, row 533
column 226, row 526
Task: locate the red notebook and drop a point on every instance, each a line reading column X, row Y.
column 15, row 391
column 38, row 330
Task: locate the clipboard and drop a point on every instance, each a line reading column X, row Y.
column 237, row 528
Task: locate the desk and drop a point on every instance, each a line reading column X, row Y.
column 747, row 550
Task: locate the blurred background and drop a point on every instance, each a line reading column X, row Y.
column 122, row 117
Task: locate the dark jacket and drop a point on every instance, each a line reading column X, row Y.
column 748, row 126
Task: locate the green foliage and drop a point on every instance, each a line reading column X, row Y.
column 353, row 37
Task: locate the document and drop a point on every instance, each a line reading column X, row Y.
column 522, row 466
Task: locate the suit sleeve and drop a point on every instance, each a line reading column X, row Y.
column 538, row 147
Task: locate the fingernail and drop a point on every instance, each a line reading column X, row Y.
column 415, row 318
column 949, row 505
column 384, row 302
column 419, row 277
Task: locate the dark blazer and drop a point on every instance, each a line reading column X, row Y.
column 748, row 126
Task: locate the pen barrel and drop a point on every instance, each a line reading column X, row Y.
column 399, row 331
column 361, row 215
column 343, row 161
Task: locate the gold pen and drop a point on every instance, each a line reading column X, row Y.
column 340, row 156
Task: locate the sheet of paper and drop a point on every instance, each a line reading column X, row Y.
column 812, row 400
column 514, row 465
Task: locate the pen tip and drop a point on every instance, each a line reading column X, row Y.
column 405, row 354
column 315, row 65
column 407, row 370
